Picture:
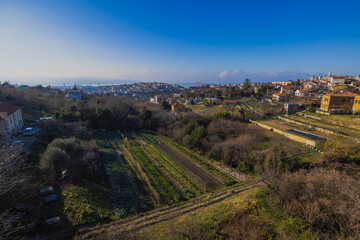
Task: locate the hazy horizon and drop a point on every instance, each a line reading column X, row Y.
column 84, row 42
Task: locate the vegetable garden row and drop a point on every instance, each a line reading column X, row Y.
column 146, row 170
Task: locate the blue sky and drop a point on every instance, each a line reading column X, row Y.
column 177, row 41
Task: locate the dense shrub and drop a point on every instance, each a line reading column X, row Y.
column 70, row 154
column 326, row 202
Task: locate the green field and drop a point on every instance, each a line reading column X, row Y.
column 340, row 118
column 146, row 170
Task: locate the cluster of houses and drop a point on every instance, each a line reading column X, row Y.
column 177, row 106
column 313, row 87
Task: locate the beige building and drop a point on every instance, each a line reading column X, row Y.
column 11, row 120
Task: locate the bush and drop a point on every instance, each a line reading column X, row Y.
column 326, row 202
column 52, row 162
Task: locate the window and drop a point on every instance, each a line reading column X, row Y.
column 326, row 99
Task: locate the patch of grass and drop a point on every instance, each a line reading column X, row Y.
column 85, row 202
column 128, row 194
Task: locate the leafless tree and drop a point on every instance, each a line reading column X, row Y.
column 14, row 188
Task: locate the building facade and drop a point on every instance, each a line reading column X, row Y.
column 338, row 102
column 11, row 120
column 356, row 105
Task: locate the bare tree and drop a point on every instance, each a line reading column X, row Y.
column 15, row 185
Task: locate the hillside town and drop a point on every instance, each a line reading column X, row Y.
column 172, row 140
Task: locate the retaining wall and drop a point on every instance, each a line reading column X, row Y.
column 286, row 134
column 317, row 128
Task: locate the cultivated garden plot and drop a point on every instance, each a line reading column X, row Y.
column 146, row 170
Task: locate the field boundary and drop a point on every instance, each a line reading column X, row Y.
column 285, row 134
column 317, row 128
column 349, row 125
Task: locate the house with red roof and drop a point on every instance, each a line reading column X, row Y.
column 338, row 102
column 279, row 97
column 287, row 90
column 302, row 93
column 11, row 119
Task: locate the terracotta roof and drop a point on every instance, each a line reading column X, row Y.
column 304, row 91
column 287, row 87
column 338, row 77
column 8, row 108
column 280, row 94
column 344, row 94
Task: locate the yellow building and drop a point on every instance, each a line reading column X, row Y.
column 356, row 106
column 338, row 102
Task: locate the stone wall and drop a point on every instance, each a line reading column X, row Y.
column 286, row 134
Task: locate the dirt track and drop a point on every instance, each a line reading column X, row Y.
column 161, row 215
column 211, row 183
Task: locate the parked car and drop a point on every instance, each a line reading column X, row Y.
column 29, row 131
column 17, row 143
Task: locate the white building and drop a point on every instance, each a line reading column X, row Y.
column 74, row 95
column 279, row 97
column 302, row 93
column 11, row 119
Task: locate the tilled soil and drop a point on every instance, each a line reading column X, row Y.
column 211, row 183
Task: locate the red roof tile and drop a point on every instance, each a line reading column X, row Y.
column 344, row 94
column 280, row 94
column 8, row 108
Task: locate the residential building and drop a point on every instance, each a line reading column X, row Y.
column 213, row 101
column 177, row 107
column 158, row 98
column 302, row 93
column 355, row 84
column 74, row 95
column 193, row 100
column 11, row 120
column 291, row 108
column 287, row 90
column 282, row 83
column 279, row 97
column 356, row 105
column 338, row 102
column 310, row 85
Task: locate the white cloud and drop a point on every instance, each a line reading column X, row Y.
column 224, row 73
column 147, row 71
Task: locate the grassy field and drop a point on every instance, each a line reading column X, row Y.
column 206, row 110
column 146, row 170
column 341, row 118
column 284, row 126
column 345, row 130
column 85, row 202
column 207, row 217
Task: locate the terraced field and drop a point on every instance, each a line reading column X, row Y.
column 165, row 214
column 146, row 170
